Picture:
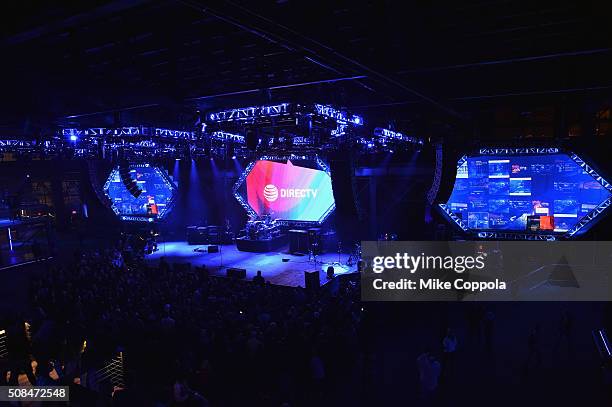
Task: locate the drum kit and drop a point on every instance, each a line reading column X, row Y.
column 264, row 228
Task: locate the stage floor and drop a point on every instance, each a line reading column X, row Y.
column 273, row 269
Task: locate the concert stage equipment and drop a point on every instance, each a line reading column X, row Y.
column 315, row 243
column 303, row 241
column 207, row 235
column 128, row 181
column 245, row 244
column 298, row 241
column 236, row 273
column 526, row 194
column 262, row 229
column 197, row 235
column 154, row 197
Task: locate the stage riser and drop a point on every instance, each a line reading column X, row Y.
column 261, row 246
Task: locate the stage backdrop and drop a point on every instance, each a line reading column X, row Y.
column 289, row 192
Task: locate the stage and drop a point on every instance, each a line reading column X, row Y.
column 273, row 269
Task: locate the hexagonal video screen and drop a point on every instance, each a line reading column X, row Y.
column 528, row 193
column 140, row 192
column 290, row 190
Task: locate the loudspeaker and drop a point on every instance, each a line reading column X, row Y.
column 342, row 170
column 126, row 178
column 213, row 248
column 298, row 241
column 251, row 139
column 236, row 273
column 311, row 280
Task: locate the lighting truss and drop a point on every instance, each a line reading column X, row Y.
column 340, row 116
column 128, row 131
column 453, row 217
column 601, row 207
column 435, row 185
column 282, row 157
column 237, row 185
column 20, row 143
column 294, row 156
column 245, row 113
column 518, row 150
column 225, row 136
column 574, row 231
column 387, row 135
column 589, row 170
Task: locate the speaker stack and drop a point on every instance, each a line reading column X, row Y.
column 126, row 178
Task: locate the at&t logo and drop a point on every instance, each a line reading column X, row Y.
column 270, row 193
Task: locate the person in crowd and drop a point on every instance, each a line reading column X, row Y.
column 174, row 323
column 488, row 328
column 565, row 332
column 534, row 354
column 258, row 279
column 429, row 374
column 449, row 348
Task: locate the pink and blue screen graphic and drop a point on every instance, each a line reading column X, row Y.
column 503, row 192
column 289, row 192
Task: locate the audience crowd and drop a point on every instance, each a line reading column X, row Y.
column 188, row 338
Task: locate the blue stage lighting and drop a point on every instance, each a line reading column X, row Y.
column 73, row 138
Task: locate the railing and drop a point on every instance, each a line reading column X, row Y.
column 3, row 345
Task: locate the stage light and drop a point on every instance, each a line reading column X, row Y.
column 233, row 157
column 177, row 159
column 73, row 138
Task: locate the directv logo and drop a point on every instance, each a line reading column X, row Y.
column 271, row 193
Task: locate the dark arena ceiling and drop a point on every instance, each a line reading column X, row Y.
column 157, row 62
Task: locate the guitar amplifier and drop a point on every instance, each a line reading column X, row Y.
column 298, row 241
column 236, row 273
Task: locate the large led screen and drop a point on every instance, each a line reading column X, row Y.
column 154, row 189
column 526, row 193
column 287, row 191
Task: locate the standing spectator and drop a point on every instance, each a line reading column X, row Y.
column 489, row 325
column 429, row 374
column 533, row 345
column 449, row 347
column 258, row 279
column 317, row 373
column 565, row 332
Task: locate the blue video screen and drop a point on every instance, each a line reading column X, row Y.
column 502, row 192
column 156, row 188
